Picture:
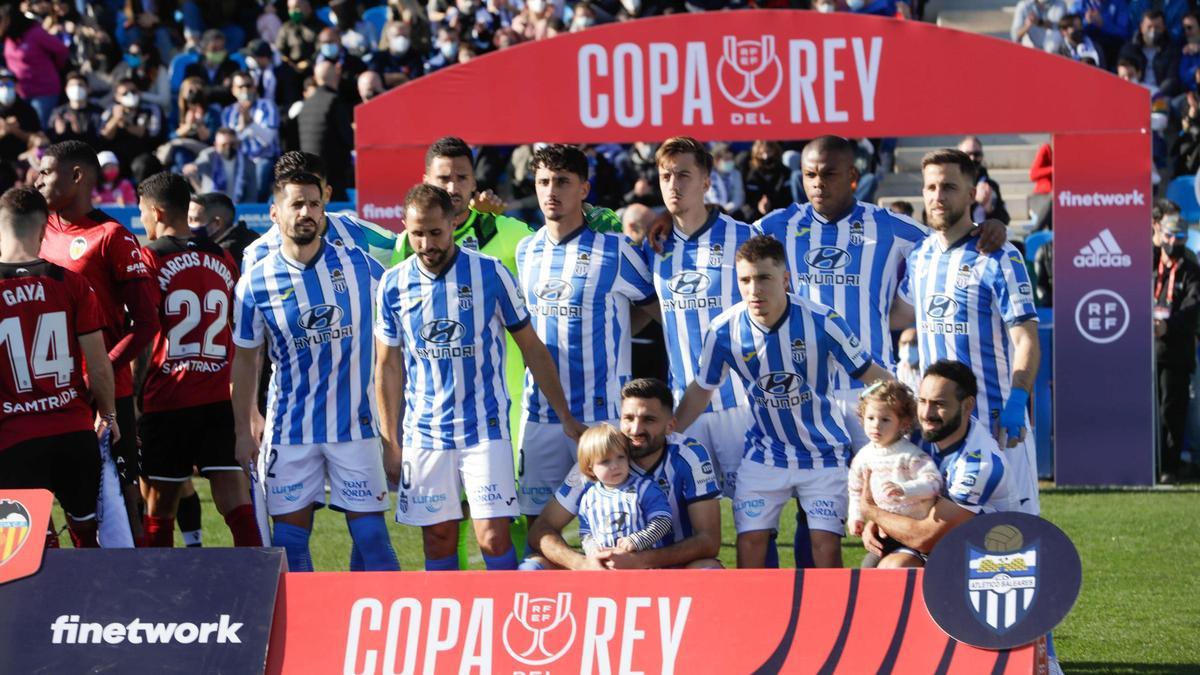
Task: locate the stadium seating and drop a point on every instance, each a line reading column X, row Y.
column 1182, row 191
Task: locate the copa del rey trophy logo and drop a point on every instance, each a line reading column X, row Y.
column 749, row 73
column 536, row 631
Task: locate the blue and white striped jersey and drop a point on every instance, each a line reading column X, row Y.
column 852, row 265
column 975, row 471
column 965, row 302
column 786, row 369
column 451, row 329
column 316, row 321
column 260, row 138
column 607, row 514
column 696, row 280
column 579, row 292
column 684, row 472
column 342, row 229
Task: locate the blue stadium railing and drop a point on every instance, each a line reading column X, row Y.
column 256, row 216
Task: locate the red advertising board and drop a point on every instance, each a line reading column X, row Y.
column 24, row 515
column 733, row 621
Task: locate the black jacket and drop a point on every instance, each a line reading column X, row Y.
column 1177, row 348
column 325, row 129
column 235, row 240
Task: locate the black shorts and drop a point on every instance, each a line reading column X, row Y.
column 174, row 441
column 892, row 546
column 68, row 465
column 125, row 451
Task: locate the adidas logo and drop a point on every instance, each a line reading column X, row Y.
column 1103, row 251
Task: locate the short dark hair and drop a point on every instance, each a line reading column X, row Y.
column 167, row 190
column 424, row 197
column 832, row 145
column 243, row 75
column 901, row 206
column 447, row 146
column 762, row 247
column 297, row 178
column 22, row 203
column 216, row 204
column 957, row 372
column 953, row 156
column 1131, row 62
column 650, row 388
column 75, row 153
column 1164, row 207
column 295, row 161
column 685, row 145
column 558, row 157
column 1069, row 20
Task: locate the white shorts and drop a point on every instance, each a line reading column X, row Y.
column 431, row 482
column 763, row 490
column 846, row 400
column 1022, row 467
column 723, row 434
column 546, row 456
column 294, row 476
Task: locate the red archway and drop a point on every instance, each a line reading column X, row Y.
column 791, row 74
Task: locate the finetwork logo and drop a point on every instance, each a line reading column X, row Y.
column 1103, row 251
column 71, row 631
column 1131, row 198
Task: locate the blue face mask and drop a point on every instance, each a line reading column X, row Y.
column 330, row 50
column 134, row 60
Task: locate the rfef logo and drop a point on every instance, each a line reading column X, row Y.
column 536, row 638
column 741, row 64
column 1102, row 251
column 1102, row 316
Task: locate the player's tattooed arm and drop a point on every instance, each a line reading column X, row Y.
column 389, row 392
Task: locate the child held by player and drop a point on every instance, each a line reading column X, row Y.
column 902, row 478
column 618, row 510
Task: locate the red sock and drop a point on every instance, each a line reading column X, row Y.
column 244, row 526
column 51, row 537
column 82, row 540
column 160, row 531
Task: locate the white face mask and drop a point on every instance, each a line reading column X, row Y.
column 243, row 96
column 537, row 6
column 8, row 94
column 827, row 9
column 856, row 4
column 77, row 93
column 130, row 100
column 632, row 6
column 398, row 45
column 725, row 166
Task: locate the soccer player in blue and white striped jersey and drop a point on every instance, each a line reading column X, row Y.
column 341, row 229
column 696, row 281
column 312, row 304
column 978, row 309
column 784, row 348
column 580, row 286
column 443, row 314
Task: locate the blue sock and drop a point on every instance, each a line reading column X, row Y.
column 356, row 561
column 803, row 543
column 530, row 565
column 294, row 541
column 772, row 561
column 1050, row 646
column 504, row 561
column 371, row 540
column 447, row 564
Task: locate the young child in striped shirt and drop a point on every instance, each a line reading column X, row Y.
column 903, row 478
column 618, row 509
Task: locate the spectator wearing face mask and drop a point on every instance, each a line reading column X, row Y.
column 224, row 168
column 767, row 186
column 988, row 201
column 349, row 66
column 445, row 50
column 112, row 189
column 1189, row 55
column 255, row 120
column 130, row 128
column 727, row 190
column 1035, row 23
column 396, row 61
column 1109, row 23
column 1176, row 309
column 78, row 119
column 908, row 359
column 260, row 64
column 297, row 39
column 18, row 119
column 533, row 22
column 324, row 127
column 142, row 64
column 34, row 58
column 214, row 67
column 1152, row 46
column 1075, row 43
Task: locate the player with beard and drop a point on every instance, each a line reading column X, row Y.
column 977, row 308
column 680, row 466
column 90, row 242
column 312, row 303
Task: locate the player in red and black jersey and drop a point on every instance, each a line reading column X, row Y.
column 49, row 318
column 187, row 419
column 89, row 242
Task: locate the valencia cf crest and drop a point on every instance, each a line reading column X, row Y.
column 798, row 350
column 78, row 248
column 339, row 281
column 582, row 261
column 470, row 241
column 1002, row 581
column 963, row 278
column 856, row 233
column 15, row 524
column 465, row 300
column 716, row 255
